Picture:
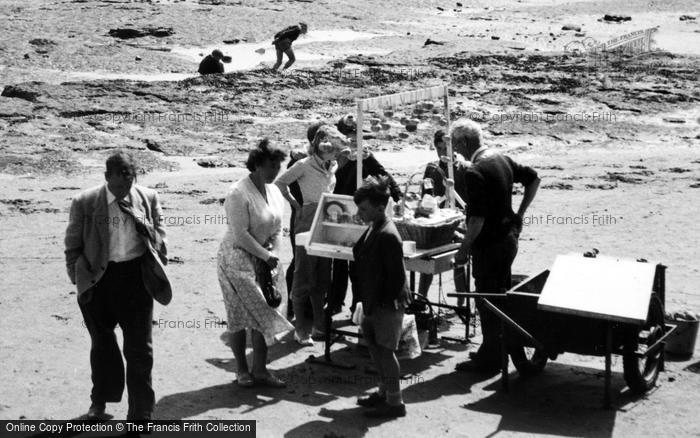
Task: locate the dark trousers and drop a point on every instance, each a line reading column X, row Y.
column 491, row 266
column 339, row 284
column 121, row 298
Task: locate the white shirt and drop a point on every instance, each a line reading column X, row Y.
column 124, row 242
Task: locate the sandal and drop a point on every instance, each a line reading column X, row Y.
column 270, row 381
column 245, row 380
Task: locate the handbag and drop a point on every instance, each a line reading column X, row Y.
column 264, row 276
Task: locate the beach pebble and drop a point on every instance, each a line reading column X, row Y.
column 403, row 135
column 388, row 113
column 404, row 120
column 376, row 128
column 411, row 127
column 386, row 126
column 374, row 121
column 687, row 18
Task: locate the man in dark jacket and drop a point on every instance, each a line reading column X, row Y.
column 492, row 229
column 283, row 44
column 346, row 184
column 381, row 275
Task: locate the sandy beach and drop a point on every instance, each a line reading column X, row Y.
column 616, row 142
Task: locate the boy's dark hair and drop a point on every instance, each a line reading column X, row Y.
column 264, row 152
column 374, row 189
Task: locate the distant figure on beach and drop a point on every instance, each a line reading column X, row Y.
column 212, row 64
column 283, row 44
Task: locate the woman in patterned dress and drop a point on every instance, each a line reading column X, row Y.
column 254, row 210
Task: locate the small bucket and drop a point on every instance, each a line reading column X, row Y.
column 682, row 341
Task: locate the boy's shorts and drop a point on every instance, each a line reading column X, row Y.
column 383, row 327
column 283, row 44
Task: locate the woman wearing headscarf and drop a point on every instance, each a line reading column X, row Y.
column 315, row 175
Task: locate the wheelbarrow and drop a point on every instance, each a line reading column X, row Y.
column 586, row 305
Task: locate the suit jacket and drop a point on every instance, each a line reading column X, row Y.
column 87, row 242
column 380, row 269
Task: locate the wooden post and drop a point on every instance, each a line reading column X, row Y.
column 450, row 154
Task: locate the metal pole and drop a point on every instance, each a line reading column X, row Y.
column 359, row 143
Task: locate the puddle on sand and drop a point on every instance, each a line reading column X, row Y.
column 147, row 77
column 246, row 55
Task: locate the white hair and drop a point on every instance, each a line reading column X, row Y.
column 467, row 132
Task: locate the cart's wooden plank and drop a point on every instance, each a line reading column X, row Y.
column 604, row 288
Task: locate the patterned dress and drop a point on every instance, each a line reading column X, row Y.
column 253, row 224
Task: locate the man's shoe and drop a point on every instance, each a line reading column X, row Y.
column 372, row 400
column 96, row 411
column 385, row 410
column 474, row 366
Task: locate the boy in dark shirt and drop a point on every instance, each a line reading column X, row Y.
column 211, row 64
column 381, row 276
column 283, row 44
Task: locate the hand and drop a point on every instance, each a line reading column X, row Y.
column 272, row 261
column 449, row 183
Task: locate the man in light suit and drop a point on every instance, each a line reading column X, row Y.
column 115, row 252
column 384, row 294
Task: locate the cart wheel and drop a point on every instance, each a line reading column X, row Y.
column 641, row 372
column 528, row 361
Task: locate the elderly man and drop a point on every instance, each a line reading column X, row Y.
column 492, row 229
column 115, row 251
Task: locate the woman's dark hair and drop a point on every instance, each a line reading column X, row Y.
column 438, row 137
column 374, row 189
column 262, row 153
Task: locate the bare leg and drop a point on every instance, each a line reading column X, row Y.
column 319, row 322
column 238, row 347
column 424, row 282
column 389, row 366
column 292, row 58
column 279, row 59
column 375, row 355
column 302, row 325
column 259, row 354
column 460, row 283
